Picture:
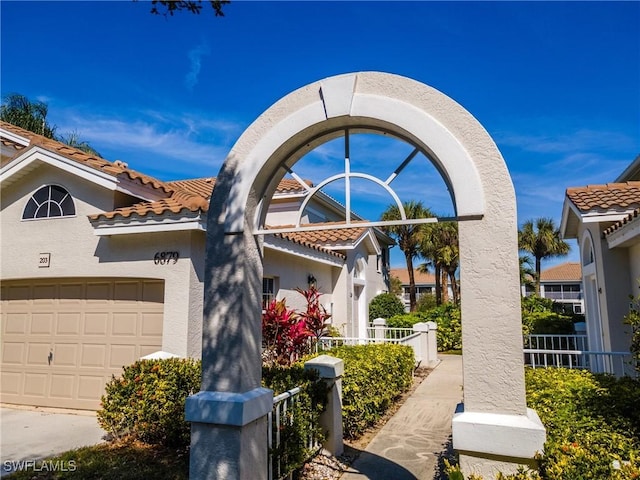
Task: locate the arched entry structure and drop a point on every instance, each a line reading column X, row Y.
column 493, row 430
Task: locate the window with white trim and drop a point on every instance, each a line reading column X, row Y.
column 48, row 202
column 268, row 291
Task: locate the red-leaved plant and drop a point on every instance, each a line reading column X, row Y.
column 287, row 335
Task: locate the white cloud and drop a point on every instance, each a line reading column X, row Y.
column 195, row 56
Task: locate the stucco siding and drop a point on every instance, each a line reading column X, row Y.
column 76, row 252
column 634, row 264
column 292, row 273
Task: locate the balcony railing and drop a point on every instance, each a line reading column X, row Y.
column 563, row 295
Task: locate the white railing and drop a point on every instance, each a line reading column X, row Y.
column 281, row 415
column 389, row 333
column 618, row 363
column 398, row 336
column 556, row 342
column 326, row 343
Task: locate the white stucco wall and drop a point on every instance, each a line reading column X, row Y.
column 77, row 252
column 634, row 265
column 292, row 273
column 614, row 280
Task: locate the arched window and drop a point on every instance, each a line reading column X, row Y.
column 49, row 201
column 587, row 251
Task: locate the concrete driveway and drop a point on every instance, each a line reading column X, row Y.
column 29, row 434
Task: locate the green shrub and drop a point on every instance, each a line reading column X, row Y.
column 447, row 317
column 374, row 376
column 549, row 323
column 591, row 421
column 406, row 320
column 426, row 302
column 544, row 316
column 148, row 401
column 449, row 333
column 385, row 305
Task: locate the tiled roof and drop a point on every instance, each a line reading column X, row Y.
column 564, row 271
column 300, row 239
column 198, row 186
column 605, row 197
column 335, row 237
column 204, row 186
column 618, row 225
column 419, row 277
column 290, row 185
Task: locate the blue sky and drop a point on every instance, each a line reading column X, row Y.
column 556, row 84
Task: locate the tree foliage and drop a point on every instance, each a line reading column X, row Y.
column 18, row 110
column 169, row 7
column 385, row 305
column 439, row 247
column 408, row 237
column 541, row 238
column 22, row 112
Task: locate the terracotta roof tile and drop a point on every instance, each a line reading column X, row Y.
column 330, row 236
column 198, row 186
column 565, row 271
column 420, row 278
column 300, row 239
column 605, row 197
column 290, row 185
column 618, row 225
column 143, row 209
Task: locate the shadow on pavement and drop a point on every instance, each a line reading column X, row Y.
column 374, row 467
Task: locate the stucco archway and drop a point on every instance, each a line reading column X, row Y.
column 496, row 426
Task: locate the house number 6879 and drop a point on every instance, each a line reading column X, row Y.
column 163, row 258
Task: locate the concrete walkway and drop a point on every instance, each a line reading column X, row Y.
column 29, row 434
column 410, row 446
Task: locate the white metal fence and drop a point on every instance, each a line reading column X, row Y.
column 398, row 336
column 282, row 415
column 572, row 351
column 556, row 342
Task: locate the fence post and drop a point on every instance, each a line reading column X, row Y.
column 379, row 327
column 331, row 370
column 428, row 343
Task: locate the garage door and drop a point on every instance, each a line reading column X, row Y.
column 62, row 340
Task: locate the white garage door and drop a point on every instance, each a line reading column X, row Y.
column 63, row 339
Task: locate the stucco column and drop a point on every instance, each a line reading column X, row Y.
column 228, row 415
column 493, row 430
column 428, row 343
column 331, row 370
column 379, row 327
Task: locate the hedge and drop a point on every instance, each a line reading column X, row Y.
column 385, row 305
column 374, row 376
column 447, row 317
column 592, row 422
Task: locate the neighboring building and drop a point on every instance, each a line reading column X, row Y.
column 604, row 220
column 101, row 265
column 425, row 284
column 563, row 284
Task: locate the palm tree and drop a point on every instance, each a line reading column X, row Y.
column 541, row 238
column 408, row 237
column 73, row 140
column 439, row 247
column 527, row 274
column 22, row 112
